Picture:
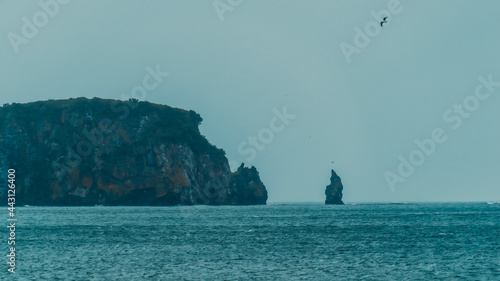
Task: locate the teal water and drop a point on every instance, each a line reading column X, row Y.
column 452, row 241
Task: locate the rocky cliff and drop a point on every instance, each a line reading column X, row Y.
column 88, row 152
column 333, row 191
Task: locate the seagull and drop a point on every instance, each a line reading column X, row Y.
column 384, row 20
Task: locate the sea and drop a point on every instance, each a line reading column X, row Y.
column 307, row 241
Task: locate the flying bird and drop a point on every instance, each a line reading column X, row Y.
column 384, row 20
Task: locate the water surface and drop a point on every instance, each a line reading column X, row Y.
column 273, row 242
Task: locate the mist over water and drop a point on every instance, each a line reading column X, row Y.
column 238, row 66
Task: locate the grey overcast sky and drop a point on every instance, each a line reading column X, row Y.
column 360, row 100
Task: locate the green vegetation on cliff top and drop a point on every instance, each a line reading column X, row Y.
column 170, row 124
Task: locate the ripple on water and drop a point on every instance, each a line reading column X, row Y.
column 286, row 241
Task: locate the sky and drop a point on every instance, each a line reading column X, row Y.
column 405, row 112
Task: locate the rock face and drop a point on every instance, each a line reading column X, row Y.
column 333, row 191
column 250, row 188
column 88, row 152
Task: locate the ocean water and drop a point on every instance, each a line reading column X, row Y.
column 452, row 241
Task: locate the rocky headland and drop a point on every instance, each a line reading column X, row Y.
column 108, row 152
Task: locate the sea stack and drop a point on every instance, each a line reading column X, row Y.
column 333, row 191
column 251, row 190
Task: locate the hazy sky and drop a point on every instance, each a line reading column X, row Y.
column 241, row 66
